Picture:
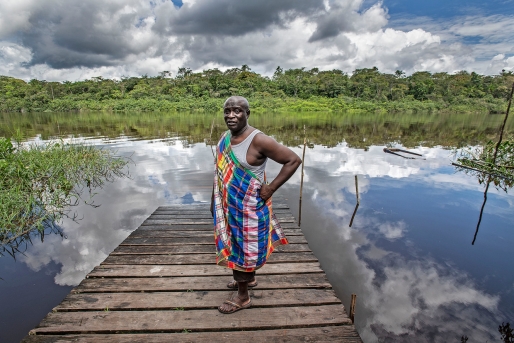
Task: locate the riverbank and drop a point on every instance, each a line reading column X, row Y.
column 293, row 90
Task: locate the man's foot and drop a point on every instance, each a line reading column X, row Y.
column 234, row 304
column 233, row 284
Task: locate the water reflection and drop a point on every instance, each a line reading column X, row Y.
column 20, row 244
column 406, row 255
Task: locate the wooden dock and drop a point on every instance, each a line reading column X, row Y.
column 161, row 285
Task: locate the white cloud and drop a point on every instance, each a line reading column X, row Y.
column 392, row 231
column 68, row 40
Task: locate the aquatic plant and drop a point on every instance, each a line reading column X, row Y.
column 39, row 184
column 482, row 162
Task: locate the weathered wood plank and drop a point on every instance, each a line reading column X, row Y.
column 192, row 249
column 200, row 259
column 179, row 227
column 192, row 215
column 209, row 283
column 200, row 320
column 195, row 221
column 207, row 217
column 207, row 211
column 191, row 233
column 193, row 300
column 116, row 270
column 275, row 205
column 200, row 227
column 289, row 225
column 343, row 333
column 178, row 222
column 189, row 240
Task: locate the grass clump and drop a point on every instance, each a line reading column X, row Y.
column 40, row 183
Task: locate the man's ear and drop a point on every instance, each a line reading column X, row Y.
column 247, row 113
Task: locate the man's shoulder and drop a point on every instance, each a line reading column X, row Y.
column 262, row 140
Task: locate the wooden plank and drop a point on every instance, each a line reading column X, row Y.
column 193, row 300
column 343, row 333
column 289, row 225
column 200, row 258
column 191, row 233
column 186, row 221
column 116, row 270
column 206, row 206
column 192, row 215
column 200, row 320
column 193, row 249
column 206, row 211
column 277, row 207
column 210, row 283
column 201, row 227
column 204, row 217
column 178, row 222
column 179, row 227
column 190, row 240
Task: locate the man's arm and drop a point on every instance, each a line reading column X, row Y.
column 270, row 148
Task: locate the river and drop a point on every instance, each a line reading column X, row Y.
column 408, row 254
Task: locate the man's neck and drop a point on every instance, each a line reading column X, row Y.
column 240, row 132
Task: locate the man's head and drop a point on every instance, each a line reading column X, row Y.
column 236, row 111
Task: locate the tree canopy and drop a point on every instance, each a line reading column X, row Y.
column 163, row 92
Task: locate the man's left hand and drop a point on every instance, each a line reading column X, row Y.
column 266, row 192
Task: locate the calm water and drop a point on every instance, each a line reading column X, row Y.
column 408, row 255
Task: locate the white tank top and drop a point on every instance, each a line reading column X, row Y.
column 241, row 149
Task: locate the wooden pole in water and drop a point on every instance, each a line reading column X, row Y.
column 301, row 182
column 352, row 307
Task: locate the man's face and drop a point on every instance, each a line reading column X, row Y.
column 235, row 115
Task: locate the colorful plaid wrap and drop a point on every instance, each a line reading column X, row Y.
column 246, row 229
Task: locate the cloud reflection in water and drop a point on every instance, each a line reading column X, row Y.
column 404, row 290
column 164, row 173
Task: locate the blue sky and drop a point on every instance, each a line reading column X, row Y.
column 440, row 9
column 72, row 39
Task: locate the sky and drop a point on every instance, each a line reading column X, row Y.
column 72, row 40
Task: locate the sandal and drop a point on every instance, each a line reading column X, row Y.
column 236, row 307
column 233, row 284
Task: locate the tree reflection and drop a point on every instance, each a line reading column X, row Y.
column 492, row 163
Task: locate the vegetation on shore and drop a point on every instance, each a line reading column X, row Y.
column 40, row 183
column 366, row 90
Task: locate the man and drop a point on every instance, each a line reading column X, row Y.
column 246, row 230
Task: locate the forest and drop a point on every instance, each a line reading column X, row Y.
column 289, row 90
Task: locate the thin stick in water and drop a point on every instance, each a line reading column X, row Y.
column 494, row 162
column 301, row 182
column 358, row 200
column 210, row 136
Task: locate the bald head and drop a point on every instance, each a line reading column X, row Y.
column 237, row 101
